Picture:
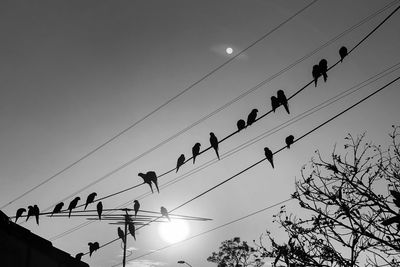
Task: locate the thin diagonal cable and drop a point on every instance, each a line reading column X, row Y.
column 279, row 150
column 225, row 138
column 163, row 105
column 256, row 139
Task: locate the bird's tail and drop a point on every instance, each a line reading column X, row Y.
column 216, row 151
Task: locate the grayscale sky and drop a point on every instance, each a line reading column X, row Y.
column 76, row 73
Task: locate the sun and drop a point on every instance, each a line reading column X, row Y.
column 229, row 50
column 173, row 231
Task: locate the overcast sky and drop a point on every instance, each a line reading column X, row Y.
column 76, row 73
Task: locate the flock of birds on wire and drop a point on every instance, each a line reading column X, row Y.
column 150, row 177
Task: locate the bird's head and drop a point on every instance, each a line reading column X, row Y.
column 141, row 174
column 255, row 110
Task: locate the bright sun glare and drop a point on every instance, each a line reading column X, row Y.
column 173, row 231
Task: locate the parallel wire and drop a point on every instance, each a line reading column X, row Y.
column 232, row 134
column 256, row 139
column 162, row 105
column 262, row 160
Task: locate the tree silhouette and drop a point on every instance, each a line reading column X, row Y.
column 234, row 253
column 349, row 209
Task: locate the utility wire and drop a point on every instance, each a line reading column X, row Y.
column 225, row 138
column 256, row 139
column 262, row 160
column 162, row 105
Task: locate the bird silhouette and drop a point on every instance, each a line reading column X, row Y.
column 274, row 103
column 316, row 72
column 57, row 208
column 195, row 151
column 251, row 118
column 323, row 68
column 72, row 205
column 396, row 196
column 283, row 100
column 180, row 162
column 164, row 213
column 79, row 256
column 136, row 206
column 121, row 234
column 269, row 155
column 20, row 211
column 131, row 227
column 241, row 124
column 214, row 143
column 146, row 179
column 289, row 140
column 343, row 53
column 99, row 208
column 36, row 213
column 31, row 212
column 93, row 247
column 153, row 178
column 90, row 199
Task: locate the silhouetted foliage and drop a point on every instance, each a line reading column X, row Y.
column 236, row 253
column 350, row 209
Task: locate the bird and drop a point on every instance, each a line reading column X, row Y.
column 343, row 53
column 274, row 103
column 251, row 118
column 316, row 73
column 72, row 205
column 20, row 211
column 121, row 234
column 164, row 213
column 269, row 155
column 391, row 220
column 90, row 199
column 289, row 140
column 241, row 124
column 396, row 196
column 79, row 256
column 146, row 180
column 180, row 162
column 99, row 209
column 93, row 247
column 30, row 212
column 136, row 206
column 323, row 68
column 214, row 143
column 57, row 208
column 36, row 213
column 195, row 151
column 283, row 100
column 131, row 227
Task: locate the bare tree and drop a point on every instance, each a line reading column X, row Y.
column 234, row 253
column 350, row 209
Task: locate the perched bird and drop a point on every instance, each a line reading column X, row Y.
column 269, row 155
column 36, row 213
column 90, row 199
column 323, row 68
column 274, row 103
column 164, row 213
column 121, row 234
column 153, row 178
column 343, row 53
column 180, row 162
column 289, row 140
column 283, row 100
column 31, row 212
column 146, row 179
column 396, row 196
column 214, row 143
column 391, row 220
column 251, row 118
column 20, row 211
column 99, row 209
column 93, row 247
column 195, row 151
column 79, row 256
column 72, row 205
column 57, row 208
column 316, row 73
column 131, row 227
column 136, row 206
column 241, row 124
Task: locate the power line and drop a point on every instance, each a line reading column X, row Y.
column 162, row 105
column 225, row 138
column 265, row 134
column 279, row 150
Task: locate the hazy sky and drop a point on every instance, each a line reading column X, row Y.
column 76, row 73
